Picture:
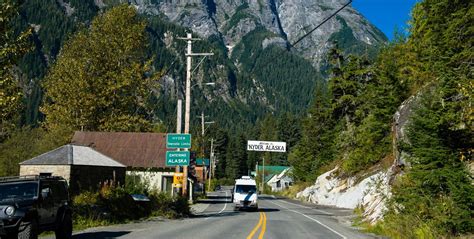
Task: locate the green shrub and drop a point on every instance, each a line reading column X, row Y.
column 134, row 184
column 113, row 204
column 118, row 202
column 84, row 206
column 162, row 204
column 181, row 206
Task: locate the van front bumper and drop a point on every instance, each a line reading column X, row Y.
column 245, row 204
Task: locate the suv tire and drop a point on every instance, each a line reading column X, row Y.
column 29, row 231
column 64, row 229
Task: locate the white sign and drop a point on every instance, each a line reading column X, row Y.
column 267, row 146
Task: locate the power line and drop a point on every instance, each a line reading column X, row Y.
column 304, row 36
column 319, row 25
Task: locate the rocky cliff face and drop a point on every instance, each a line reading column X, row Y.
column 231, row 20
column 242, row 33
column 370, row 193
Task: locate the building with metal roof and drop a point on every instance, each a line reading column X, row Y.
column 83, row 167
column 144, row 154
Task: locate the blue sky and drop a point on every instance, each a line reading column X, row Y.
column 386, row 14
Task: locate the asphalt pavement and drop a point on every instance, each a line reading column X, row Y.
column 215, row 218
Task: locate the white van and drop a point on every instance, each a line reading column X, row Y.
column 245, row 194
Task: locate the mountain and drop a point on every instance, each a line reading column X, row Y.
column 287, row 21
column 255, row 69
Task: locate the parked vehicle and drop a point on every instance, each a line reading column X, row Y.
column 244, row 195
column 30, row 205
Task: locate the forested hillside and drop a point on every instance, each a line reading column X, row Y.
column 260, row 82
column 350, row 123
column 113, row 68
column 61, row 91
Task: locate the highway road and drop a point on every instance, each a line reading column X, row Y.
column 276, row 218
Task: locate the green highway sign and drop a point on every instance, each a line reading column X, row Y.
column 178, row 141
column 202, row 161
column 177, row 158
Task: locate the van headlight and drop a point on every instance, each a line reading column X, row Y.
column 10, row 210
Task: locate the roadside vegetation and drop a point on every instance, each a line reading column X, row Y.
column 292, row 190
column 351, row 118
column 220, row 182
column 348, row 123
column 113, row 204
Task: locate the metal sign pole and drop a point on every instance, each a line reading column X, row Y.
column 263, row 174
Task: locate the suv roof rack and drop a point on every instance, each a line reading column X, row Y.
column 28, row 178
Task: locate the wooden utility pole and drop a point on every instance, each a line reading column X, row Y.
column 203, row 131
column 211, row 158
column 189, row 55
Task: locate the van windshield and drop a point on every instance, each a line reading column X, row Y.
column 245, row 188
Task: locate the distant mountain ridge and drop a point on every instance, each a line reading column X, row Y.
column 231, row 20
column 255, row 72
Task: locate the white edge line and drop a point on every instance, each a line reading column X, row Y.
column 225, row 205
column 210, row 214
column 322, row 224
column 326, row 213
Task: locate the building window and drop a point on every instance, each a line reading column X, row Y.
column 167, row 184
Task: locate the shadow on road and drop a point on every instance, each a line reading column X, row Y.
column 212, row 214
column 212, row 201
column 268, row 209
column 100, row 235
column 217, row 196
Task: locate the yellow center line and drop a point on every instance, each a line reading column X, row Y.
column 256, row 227
column 264, row 227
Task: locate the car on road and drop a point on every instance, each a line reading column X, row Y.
column 30, row 205
column 244, row 195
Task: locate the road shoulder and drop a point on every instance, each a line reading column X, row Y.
column 198, row 208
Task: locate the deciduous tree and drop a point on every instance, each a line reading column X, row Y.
column 102, row 77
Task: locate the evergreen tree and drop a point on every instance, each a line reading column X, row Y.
column 315, row 148
column 288, row 130
column 220, row 147
column 436, row 193
column 12, row 48
column 241, row 155
column 236, row 157
column 231, row 162
column 434, row 198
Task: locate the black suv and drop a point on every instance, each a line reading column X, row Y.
column 30, row 205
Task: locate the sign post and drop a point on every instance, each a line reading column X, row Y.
column 178, row 180
column 265, row 146
column 178, row 158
